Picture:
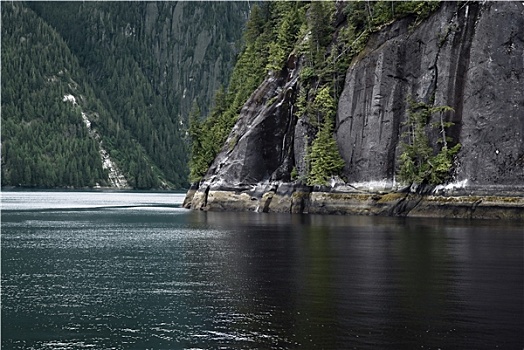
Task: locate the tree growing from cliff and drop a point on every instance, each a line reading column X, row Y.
column 320, row 18
column 418, row 163
column 269, row 37
column 208, row 136
column 288, row 18
column 324, row 158
column 198, row 163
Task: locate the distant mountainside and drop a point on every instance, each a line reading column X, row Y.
column 99, row 93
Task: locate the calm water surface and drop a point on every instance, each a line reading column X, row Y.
column 107, row 270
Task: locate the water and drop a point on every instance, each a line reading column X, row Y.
column 135, row 271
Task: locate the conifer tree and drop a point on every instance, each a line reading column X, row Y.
column 418, row 163
column 324, row 158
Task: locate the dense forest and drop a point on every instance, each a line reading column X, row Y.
column 83, row 82
column 325, row 36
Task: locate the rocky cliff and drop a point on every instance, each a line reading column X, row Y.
column 469, row 56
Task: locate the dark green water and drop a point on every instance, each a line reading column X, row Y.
column 135, row 271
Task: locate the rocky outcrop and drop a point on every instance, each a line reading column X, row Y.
column 296, row 199
column 469, row 56
column 260, row 146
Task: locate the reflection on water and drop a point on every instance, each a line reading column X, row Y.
column 151, row 275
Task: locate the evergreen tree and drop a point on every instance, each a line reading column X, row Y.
column 324, row 158
column 320, row 28
column 37, row 68
column 418, row 163
column 276, row 29
column 287, row 21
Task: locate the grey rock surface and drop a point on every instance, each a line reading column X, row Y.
column 201, row 49
column 468, row 56
column 260, row 146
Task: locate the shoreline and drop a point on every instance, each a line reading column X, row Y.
column 300, row 199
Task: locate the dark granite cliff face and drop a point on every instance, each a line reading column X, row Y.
column 469, row 56
column 260, row 146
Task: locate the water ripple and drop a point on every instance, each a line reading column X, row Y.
column 137, row 278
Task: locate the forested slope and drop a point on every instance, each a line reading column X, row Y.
column 134, row 70
column 44, row 141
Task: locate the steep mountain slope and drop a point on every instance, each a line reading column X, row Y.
column 138, row 69
column 44, row 141
column 426, row 101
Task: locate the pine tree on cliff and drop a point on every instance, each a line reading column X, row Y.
column 324, row 160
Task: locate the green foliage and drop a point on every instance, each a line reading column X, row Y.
column 271, row 32
column 287, row 19
column 44, row 141
column 294, row 174
column 442, row 163
column 197, row 163
column 108, row 55
column 307, row 73
column 325, row 103
column 418, row 163
column 208, row 136
column 324, row 158
column 301, row 103
column 320, row 18
column 329, row 60
column 366, row 17
column 372, row 15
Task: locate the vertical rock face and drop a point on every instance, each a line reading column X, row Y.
column 468, row 56
column 492, row 101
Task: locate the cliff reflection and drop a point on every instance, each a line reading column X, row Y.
column 339, row 282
